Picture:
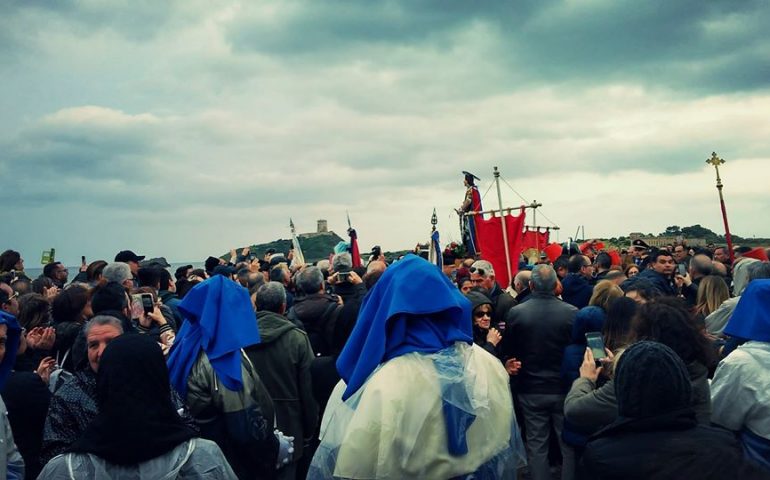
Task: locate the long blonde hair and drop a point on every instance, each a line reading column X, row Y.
column 712, row 291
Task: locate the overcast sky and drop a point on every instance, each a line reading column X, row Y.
column 184, row 128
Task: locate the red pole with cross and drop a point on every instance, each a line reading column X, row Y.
column 716, row 162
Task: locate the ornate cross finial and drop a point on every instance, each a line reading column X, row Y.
column 715, row 160
column 434, row 219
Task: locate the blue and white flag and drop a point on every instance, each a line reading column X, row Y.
column 299, row 258
column 434, row 252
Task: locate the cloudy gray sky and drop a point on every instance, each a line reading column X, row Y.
column 184, row 128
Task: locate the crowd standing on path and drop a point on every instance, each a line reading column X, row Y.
column 655, row 364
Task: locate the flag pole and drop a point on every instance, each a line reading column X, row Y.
column 502, row 219
column 716, row 162
column 534, row 206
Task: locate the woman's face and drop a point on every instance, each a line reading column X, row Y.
column 466, row 286
column 632, row 272
column 482, row 316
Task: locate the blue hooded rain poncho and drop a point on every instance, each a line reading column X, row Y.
column 417, row 399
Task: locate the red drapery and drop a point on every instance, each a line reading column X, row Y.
column 490, row 240
column 534, row 239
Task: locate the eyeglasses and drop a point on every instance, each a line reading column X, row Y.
column 482, row 314
column 11, row 297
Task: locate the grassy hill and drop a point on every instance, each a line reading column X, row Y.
column 314, row 248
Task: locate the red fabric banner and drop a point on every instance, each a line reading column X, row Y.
column 534, row 239
column 354, row 248
column 490, row 241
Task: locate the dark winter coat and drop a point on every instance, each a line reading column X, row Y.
column 502, row 303
column 283, row 360
column 27, row 398
column 670, row 446
column 536, row 333
column 576, row 290
column 318, row 314
column 588, row 319
column 662, row 283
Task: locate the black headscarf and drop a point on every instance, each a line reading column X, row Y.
column 136, row 421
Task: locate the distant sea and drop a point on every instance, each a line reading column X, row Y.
column 33, row 273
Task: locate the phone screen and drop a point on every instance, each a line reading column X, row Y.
column 147, row 304
column 596, row 344
column 681, row 269
column 136, row 306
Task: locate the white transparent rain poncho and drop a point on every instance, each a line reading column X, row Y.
column 396, row 425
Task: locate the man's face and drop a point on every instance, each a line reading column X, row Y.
column 679, row 253
column 636, row 252
column 134, row 266
column 587, row 269
column 484, row 282
column 12, row 305
column 60, row 273
column 561, row 272
column 664, row 265
column 720, row 255
column 98, row 338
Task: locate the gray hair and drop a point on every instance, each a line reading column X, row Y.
column 323, row 264
column 485, row 266
column 758, row 270
column 741, row 274
column 117, row 272
column 310, row 280
column 271, row 297
column 102, row 320
column 342, row 262
column 543, row 278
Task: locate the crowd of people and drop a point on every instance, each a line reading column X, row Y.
column 650, row 363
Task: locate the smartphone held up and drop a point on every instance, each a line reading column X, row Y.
column 595, row 342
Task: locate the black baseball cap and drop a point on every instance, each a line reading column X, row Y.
column 126, row 256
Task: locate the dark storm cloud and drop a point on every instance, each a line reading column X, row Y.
column 689, row 45
column 136, row 20
column 58, row 159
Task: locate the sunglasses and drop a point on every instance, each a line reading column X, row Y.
column 480, row 271
column 482, row 314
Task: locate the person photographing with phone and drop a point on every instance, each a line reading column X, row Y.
column 688, row 279
column 146, row 312
column 345, row 282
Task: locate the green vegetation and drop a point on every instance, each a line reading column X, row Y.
column 314, row 248
column 694, row 231
column 319, row 247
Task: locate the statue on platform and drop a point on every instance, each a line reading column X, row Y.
column 472, row 203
